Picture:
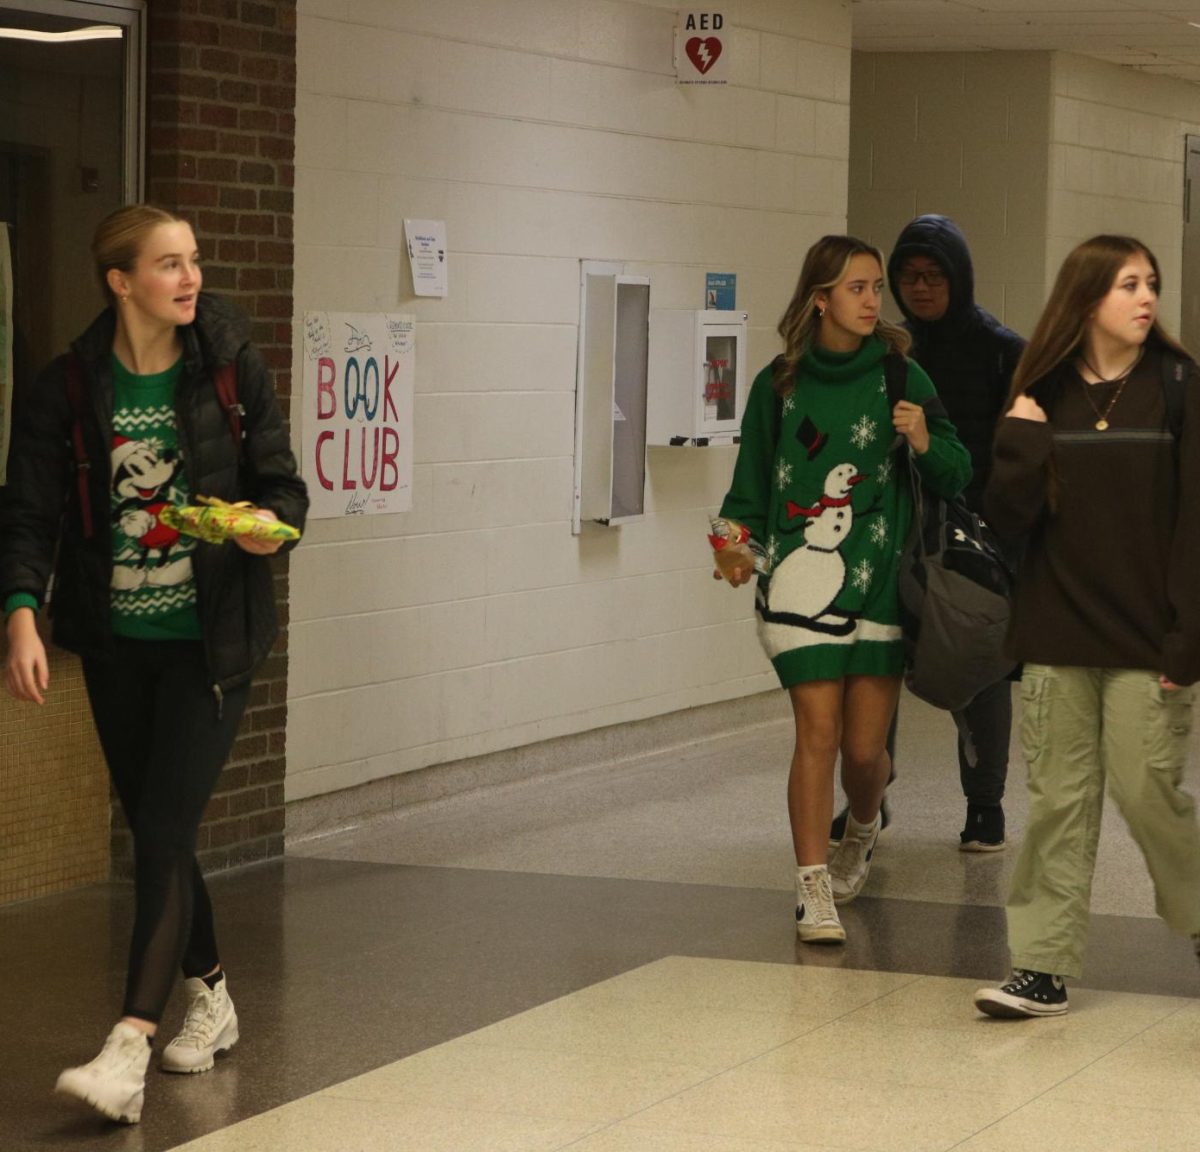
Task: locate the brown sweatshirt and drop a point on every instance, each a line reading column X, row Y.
column 1111, row 577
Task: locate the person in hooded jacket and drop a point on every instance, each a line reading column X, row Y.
column 170, row 629
column 970, row 357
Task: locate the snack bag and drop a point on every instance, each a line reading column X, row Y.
column 216, row 521
column 728, row 538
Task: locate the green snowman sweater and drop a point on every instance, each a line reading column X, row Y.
column 821, row 488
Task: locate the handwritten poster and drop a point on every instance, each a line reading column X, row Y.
column 359, row 370
column 427, row 255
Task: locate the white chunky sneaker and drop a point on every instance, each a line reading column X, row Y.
column 816, row 917
column 115, row 1082
column 210, row 1026
column 850, row 863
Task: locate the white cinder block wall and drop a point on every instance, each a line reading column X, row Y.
column 543, row 132
column 1030, row 152
column 1117, row 160
column 966, row 135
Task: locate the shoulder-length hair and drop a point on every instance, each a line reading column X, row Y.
column 1085, row 278
column 824, row 267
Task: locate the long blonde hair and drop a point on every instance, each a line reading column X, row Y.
column 1085, row 278
column 119, row 238
column 824, row 267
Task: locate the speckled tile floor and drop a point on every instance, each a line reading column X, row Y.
column 603, row 960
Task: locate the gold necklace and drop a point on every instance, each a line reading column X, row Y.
column 1120, row 381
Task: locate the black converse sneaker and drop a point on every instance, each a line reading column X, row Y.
column 1025, row 994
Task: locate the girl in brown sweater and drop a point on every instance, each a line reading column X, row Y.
column 1105, row 494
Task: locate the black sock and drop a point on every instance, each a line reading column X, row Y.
column 215, row 979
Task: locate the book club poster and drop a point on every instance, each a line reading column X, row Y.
column 359, row 371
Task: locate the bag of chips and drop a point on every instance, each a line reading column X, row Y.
column 216, row 521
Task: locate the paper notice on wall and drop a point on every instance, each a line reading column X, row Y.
column 6, row 343
column 427, row 253
column 359, row 371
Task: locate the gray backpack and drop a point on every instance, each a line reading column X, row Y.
column 955, row 589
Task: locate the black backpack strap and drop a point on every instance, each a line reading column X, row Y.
column 225, row 382
column 895, row 378
column 77, row 398
column 1174, row 382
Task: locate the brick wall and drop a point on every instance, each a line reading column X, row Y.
column 221, row 95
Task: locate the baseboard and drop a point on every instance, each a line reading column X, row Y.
column 318, row 816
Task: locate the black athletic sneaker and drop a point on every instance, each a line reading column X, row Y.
column 984, row 829
column 1025, row 994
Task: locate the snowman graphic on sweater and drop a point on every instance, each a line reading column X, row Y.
column 806, row 584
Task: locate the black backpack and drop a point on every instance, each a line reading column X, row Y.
column 955, row 587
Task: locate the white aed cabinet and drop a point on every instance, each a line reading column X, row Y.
column 697, row 382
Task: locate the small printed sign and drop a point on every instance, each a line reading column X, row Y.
column 427, row 256
column 701, row 48
column 720, row 290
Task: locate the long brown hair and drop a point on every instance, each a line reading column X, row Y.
column 119, row 237
column 824, row 266
column 1085, row 278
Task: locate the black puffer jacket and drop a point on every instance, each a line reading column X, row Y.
column 234, row 590
column 969, row 355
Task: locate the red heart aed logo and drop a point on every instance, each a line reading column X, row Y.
column 703, row 53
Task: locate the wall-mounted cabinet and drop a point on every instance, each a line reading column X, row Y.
column 610, row 402
column 698, row 385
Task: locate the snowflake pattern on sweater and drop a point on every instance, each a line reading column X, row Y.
column 834, row 527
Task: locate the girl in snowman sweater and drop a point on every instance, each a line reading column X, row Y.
column 824, row 495
column 1092, row 472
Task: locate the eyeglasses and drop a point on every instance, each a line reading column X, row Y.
column 934, row 277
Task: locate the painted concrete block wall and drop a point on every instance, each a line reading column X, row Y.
column 966, row 135
column 544, row 132
column 1117, row 159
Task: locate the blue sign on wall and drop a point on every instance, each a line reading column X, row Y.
column 720, row 290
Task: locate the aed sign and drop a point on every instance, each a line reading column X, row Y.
column 359, row 370
column 702, row 48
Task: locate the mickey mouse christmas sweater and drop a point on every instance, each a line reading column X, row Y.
column 821, row 488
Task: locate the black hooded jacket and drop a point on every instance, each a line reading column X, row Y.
column 969, row 355
column 40, row 510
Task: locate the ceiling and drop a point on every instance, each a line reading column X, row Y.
column 1149, row 35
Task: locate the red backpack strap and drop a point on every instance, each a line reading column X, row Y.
column 226, row 385
column 77, row 398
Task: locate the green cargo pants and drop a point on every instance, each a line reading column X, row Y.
column 1081, row 728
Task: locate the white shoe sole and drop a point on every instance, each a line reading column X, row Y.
column 982, row 846
column 126, row 1111
column 993, row 1002
column 840, row 898
column 830, row 934
column 226, row 1039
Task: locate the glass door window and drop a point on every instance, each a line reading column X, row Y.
column 70, row 145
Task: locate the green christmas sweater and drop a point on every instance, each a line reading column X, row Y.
column 153, row 586
column 820, row 487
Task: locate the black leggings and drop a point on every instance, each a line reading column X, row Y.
column 165, row 741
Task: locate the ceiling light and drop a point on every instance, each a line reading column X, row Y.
column 95, row 32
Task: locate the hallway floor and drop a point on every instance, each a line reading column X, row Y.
column 604, row 960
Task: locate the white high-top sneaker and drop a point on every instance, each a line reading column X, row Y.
column 210, row 1026
column 816, row 917
column 850, row 863
column 114, row 1083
